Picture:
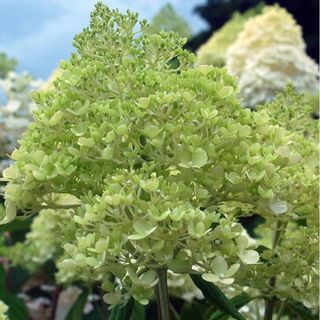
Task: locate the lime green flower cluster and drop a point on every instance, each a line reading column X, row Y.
column 293, row 111
column 44, row 241
column 291, row 260
column 146, row 158
column 268, row 54
column 49, row 83
column 214, row 51
column 3, row 311
column 294, row 265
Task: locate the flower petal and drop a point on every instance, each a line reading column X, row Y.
column 232, row 270
column 210, row 277
column 249, row 257
column 219, row 265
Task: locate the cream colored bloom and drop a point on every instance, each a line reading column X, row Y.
column 213, row 52
column 3, row 310
column 268, row 54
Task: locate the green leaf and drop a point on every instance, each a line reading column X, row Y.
column 19, row 276
column 301, row 311
column 122, row 312
column 93, row 315
column 76, row 311
column 216, row 297
column 17, row 309
column 138, row 312
column 192, row 310
column 2, row 281
column 16, row 225
column 237, row 301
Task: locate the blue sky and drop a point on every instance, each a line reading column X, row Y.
column 39, row 33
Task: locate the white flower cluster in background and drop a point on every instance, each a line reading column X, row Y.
column 15, row 110
column 268, row 54
column 213, row 52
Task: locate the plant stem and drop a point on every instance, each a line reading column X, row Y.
column 162, row 296
column 271, row 301
column 269, row 309
column 281, row 309
column 174, row 311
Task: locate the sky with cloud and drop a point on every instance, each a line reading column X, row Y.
column 39, row 33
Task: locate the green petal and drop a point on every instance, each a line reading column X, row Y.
column 210, row 277
column 219, row 265
column 249, row 257
column 199, row 158
column 232, row 270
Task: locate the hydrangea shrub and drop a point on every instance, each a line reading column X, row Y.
column 149, row 163
column 214, row 51
column 292, row 258
column 268, row 54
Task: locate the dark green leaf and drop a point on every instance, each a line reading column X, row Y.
column 17, row 308
column 2, row 281
column 94, row 315
column 138, row 312
column 301, row 311
column 192, row 311
column 76, row 311
column 216, row 297
column 18, row 277
column 122, row 312
column 238, row 302
column 16, row 225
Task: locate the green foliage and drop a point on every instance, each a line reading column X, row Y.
column 301, row 311
column 215, row 296
column 168, row 20
column 11, row 307
column 237, row 301
column 122, row 312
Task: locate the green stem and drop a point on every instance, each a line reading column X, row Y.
column 174, row 311
column 271, row 301
column 281, row 309
column 269, row 307
column 163, row 299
